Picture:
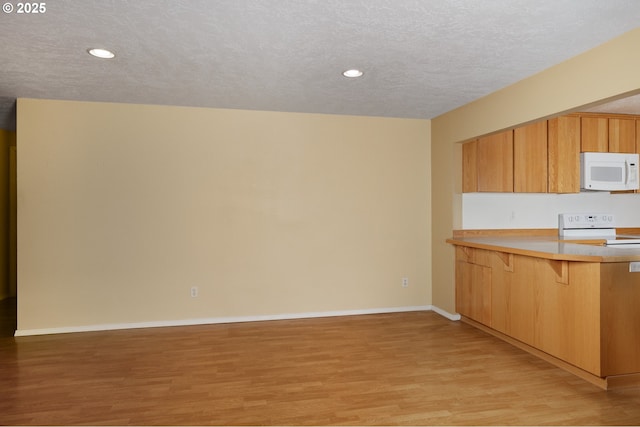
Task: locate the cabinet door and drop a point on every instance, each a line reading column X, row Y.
column 501, row 287
column 473, row 284
column 622, row 136
column 595, row 134
column 564, row 154
column 495, row 163
column 521, row 300
column 530, row 173
column 554, row 307
column 473, row 291
column 567, row 314
column 469, row 167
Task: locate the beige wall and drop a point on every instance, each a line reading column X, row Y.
column 123, row 208
column 608, row 71
column 7, row 139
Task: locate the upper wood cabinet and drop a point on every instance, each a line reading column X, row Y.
column 545, row 156
column 564, row 154
column 638, row 135
column 530, row 167
column 470, row 167
column 595, row 134
column 608, row 134
column 622, row 135
column 495, row 162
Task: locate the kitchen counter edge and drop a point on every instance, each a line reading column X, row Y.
column 549, row 247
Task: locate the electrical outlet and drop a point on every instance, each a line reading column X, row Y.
column 405, row 282
column 634, row 267
column 194, row 291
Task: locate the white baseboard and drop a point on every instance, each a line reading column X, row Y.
column 455, row 317
column 216, row 320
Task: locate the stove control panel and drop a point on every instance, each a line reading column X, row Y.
column 573, row 221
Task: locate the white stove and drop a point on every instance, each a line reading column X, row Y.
column 594, row 226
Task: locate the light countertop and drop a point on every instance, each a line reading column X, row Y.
column 550, row 247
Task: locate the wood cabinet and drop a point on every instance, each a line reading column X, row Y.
column 538, row 305
column 564, row 154
column 638, row 135
column 545, row 156
column 487, row 164
column 622, row 135
column 530, row 158
column 510, row 313
column 620, row 299
column 470, row 167
column 473, row 278
column 595, row 134
column 537, row 158
column 608, row 134
column 495, row 162
column 583, row 313
column 566, row 319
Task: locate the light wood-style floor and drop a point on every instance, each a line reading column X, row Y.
column 387, row 369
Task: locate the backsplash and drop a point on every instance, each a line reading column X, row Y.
column 532, row 210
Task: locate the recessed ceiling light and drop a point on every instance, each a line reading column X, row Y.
column 101, row 53
column 353, row 73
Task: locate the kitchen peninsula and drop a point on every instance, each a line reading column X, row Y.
column 573, row 303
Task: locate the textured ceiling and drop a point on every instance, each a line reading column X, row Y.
column 421, row 58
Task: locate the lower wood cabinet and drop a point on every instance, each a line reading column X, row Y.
column 584, row 313
column 566, row 318
column 473, row 278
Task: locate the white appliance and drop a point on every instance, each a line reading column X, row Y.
column 594, row 226
column 609, row 171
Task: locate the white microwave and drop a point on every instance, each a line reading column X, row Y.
column 609, row 171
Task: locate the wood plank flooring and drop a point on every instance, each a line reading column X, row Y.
column 390, row 369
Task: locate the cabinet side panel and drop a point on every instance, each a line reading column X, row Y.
column 469, row 167
column 620, row 314
column 637, row 150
